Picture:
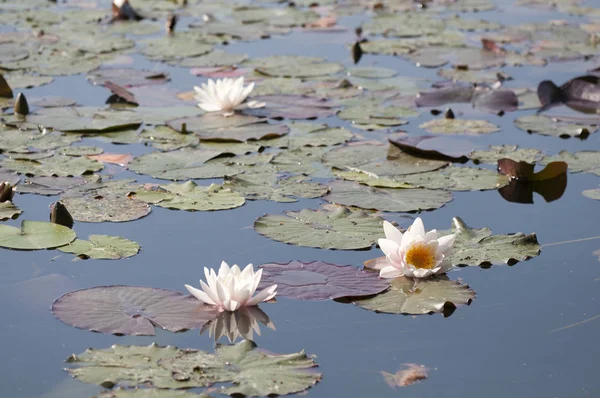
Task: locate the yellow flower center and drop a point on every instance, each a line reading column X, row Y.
column 420, row 255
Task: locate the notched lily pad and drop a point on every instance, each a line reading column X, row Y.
column 416, row 297
column 319, row 280
column 478, row 247
column 35, row 235
column 131, row 310
column 9, row 211
column 102, row 247
column 330, row 227
column 190, row 196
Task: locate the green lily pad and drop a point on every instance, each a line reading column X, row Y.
column 35, row 235
column 251, row 371
column 495, row 153
column 166, row 139
column 12, row 140
column 386, row 199
column 266, row 186
column 9, row 211
column 174, row 47
column 49, row 185
column 27, row 81
column 408, row 24
column 213, row 59
column 301, row 70
column 470, row 76
column 81, row 150
column 57, row 165
column 372, row 72
column 544, row 125
column 451, row 178
column 592, row 193
column 190, row 196
column 85, row 119
column 102, row 247
column 183, row 164
column 330, row 227
column 584, row 161
column 478, row 247
column 149, row 393
column 416, row 297
column 311, row 135
column 127, row 77
column 459, row 126
column 286, row 16
column 379, row 160
column 376, row 117
column 252, row 132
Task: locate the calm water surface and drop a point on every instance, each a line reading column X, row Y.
column 506, row 343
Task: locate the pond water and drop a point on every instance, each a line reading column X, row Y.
column 531, row 329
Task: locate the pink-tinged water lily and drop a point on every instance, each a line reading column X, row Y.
column 225, row 95
column 231, row 288
column 414, row 253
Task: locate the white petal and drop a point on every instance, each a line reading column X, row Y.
column 445, row 243
column 390, row 272
column 266, row 294
column 388, row 247
column 417, row 227
column 200, row 295
column 431, row 235
column 445, row 266
column 223, row 270
column 255, row 104
column 392, row 233
column 209, row 107
column 211, row 293
column 422, row 273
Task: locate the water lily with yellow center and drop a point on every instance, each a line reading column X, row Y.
column 414, row 253
column 225, row 95
column 231, row 288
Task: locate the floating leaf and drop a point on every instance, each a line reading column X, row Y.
column 411, row 374
column 174, row 47
column 127, row 77
column 429, row 147
column 131, row 310
column 102, row 247
column 300, row 70
column 35, row 235
column 319, row 280
column 386, row 199
column 417, row 296
column 524, row 171
column 584, row 161
column 166, row 139
column 293, row 107
column 9, row 211
column 85, row 119
column 148, row 393
column 495, row 153
column 49, row 185
column 330, row 227
column 590, row 193
column 545, row 125
column 182, row 164
column 58, row 166
column 459, row 126
column 266, row 186
column 457, row 179
column 479, row 247
column 311, row 135
column 112, row 208
column 121, row 159
column 190, row 196
column 80, row 150
column 381, row 160
column 376, row 117
column 581, row 93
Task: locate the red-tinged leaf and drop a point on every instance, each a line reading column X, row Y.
column 524, row 171
column 411, row 374
column 121, row 159
column 120, row 94
column 219, row 72
column 490, row 45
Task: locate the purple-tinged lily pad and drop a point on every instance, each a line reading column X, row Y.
column 433, row 147
column 131, row 310
column 319, row 280
column 293, row 107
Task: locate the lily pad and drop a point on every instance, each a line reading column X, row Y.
column 376, row 117
column 267, row 186
column 459, row 126
column 495, row 153
column 416, row 297
column 544, row 125
column 330, row 227
column 592, row 193
column 102, row 247
column 301, row 70
column 478, row 247
column 584, row 161
column 319, row 280
column 85, row 119
column 380, row 160
column 386, row 199
column 58, row 166
column 458, row 179
column 174, row 47
column 49, row 185
column 293, row 107
column 430, row 147
column 190, row 196
column 35, row 235
column 251, row 371
column 183, row 164
column 9, row 211
column 311, row 135
column 166, row 139
column 131, row 310
column 149, row 393
column 27, row 81
column 80, row 150
column 127, row 77
column 112, row 208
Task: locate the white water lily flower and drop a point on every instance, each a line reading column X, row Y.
column 225, row 95
column 231, row 288
column 414, row 254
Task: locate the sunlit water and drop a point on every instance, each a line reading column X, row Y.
column 508, row 342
